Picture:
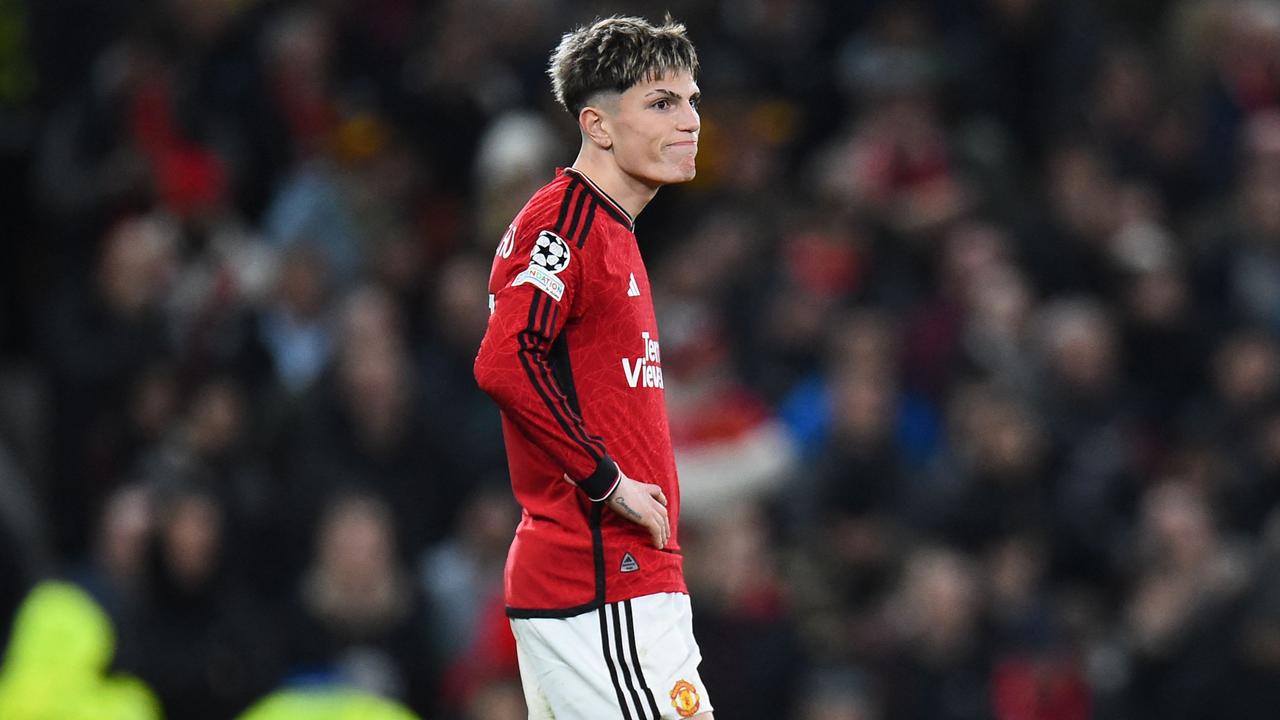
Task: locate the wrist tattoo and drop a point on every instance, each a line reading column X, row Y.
column 626, row 508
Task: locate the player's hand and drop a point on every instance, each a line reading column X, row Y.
column 643, row 504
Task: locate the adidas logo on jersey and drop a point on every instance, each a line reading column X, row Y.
column 633, row 290
column 629, row 564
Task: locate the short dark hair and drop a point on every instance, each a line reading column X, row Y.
column 614, row 54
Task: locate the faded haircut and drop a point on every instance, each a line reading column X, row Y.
column 615, row 53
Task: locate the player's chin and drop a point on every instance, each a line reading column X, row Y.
column 683, row 172
column 670, row 173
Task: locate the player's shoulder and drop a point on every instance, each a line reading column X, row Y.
column 546, row 201
column 539, row 219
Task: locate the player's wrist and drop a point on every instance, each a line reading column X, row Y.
column 602, row 483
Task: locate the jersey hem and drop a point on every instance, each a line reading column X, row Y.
column 561, row 613
column 597, row 551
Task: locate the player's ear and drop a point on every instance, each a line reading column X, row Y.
column 594, row 125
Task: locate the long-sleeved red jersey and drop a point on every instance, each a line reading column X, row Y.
column 571, row 356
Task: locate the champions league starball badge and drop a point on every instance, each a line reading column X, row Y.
column 550, row 252
column 550, row 255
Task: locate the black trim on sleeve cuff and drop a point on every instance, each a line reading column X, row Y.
column 601, row 482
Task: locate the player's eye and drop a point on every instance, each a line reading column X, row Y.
column 661, row 105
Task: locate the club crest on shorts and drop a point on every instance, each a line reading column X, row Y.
column 684, row 697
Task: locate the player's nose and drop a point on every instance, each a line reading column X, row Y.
column 689, row 121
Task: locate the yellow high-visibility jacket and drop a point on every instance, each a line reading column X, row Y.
column 54, row 668
column 325, row 705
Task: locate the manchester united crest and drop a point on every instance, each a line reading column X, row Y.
column 684, row 697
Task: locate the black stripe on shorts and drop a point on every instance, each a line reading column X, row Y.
column 613, row 670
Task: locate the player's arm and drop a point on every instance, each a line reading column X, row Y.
column 530, row 308
column 514, row 368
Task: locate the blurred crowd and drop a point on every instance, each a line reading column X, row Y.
column 971, row 325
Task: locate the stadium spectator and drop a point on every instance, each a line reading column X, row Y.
column 358, row 619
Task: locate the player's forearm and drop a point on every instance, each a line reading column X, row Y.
column 517, row 376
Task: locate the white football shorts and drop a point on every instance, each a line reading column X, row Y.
column 630, row 660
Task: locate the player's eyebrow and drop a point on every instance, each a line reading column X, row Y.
column 673, row 95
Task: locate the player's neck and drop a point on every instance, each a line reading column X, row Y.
column 632, row 194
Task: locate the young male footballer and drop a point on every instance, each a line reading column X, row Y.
column 594, row 579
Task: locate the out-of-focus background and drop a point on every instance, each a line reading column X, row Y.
column 971, row 325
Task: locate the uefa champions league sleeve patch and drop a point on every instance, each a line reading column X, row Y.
column 550, row 256
column 550, row 252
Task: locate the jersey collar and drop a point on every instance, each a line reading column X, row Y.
column 609, row 203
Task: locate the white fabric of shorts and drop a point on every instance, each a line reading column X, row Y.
column 630, row 660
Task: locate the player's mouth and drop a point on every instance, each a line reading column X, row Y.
column 684, row 144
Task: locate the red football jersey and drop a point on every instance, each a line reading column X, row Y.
column 571, row 357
